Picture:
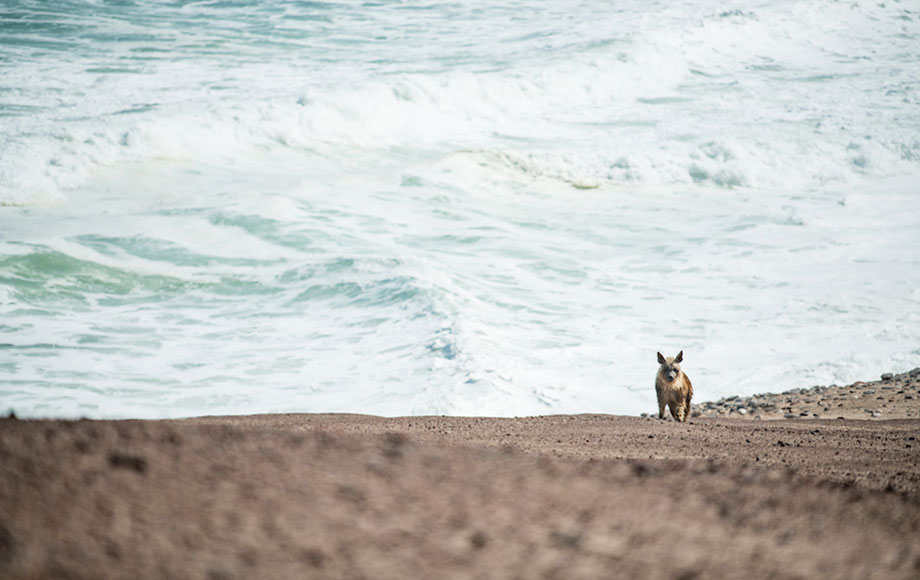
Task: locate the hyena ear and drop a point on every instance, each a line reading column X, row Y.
column 660, row 358
column 679, row 357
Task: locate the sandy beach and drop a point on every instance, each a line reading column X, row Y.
column 566, row 496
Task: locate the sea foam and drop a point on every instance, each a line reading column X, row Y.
column 475, row 208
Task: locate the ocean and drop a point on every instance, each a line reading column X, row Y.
column 451, row 208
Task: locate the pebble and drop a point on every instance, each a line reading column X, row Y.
column 792, row 404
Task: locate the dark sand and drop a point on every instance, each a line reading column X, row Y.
column 347, row 496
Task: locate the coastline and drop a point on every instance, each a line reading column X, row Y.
column 562, row 496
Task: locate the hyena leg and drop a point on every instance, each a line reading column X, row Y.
column 661, row 405
column 675, row 410
column 681, row 414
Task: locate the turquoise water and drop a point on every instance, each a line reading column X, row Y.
column 473, row 208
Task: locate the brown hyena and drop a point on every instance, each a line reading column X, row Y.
column 673, row 388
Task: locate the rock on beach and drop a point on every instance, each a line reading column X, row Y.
column 894, row 396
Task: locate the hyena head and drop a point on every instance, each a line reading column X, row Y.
column 670, row 367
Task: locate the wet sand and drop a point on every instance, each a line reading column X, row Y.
column 351, row 496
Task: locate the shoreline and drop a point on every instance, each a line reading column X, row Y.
column 559, row 496
column 893, row 396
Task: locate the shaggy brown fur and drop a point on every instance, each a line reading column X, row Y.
column 673, row 387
